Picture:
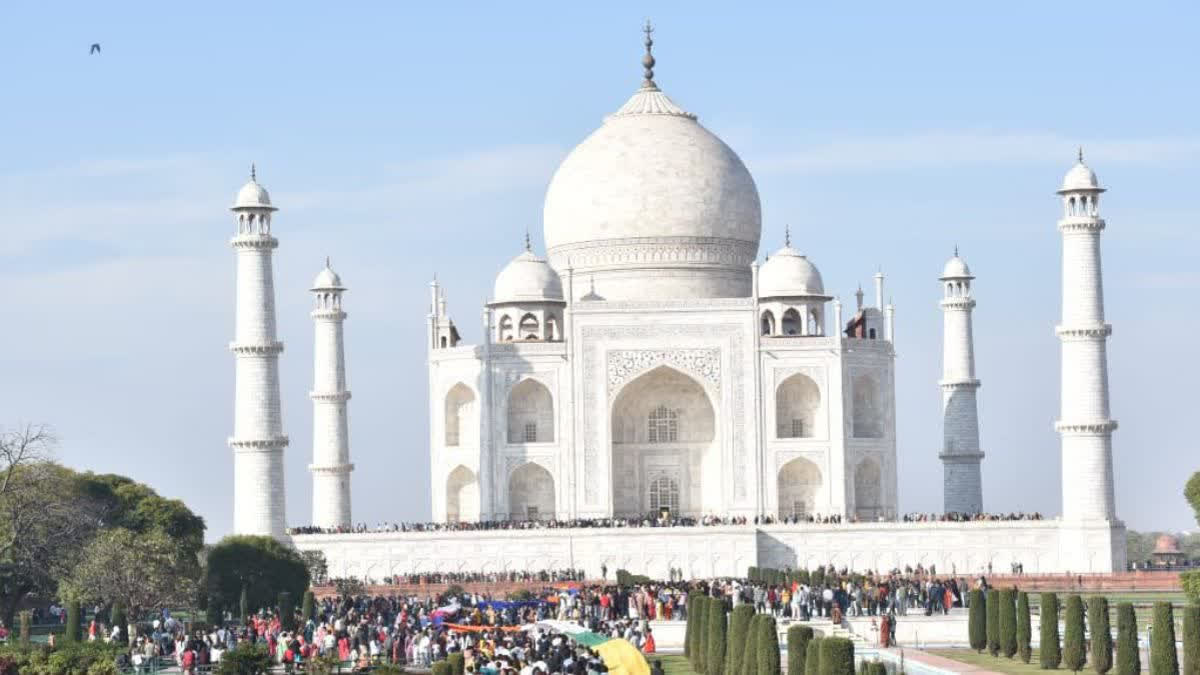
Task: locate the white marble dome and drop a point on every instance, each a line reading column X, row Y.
column 787, row 273
column 327, row 279
column 1080, row 177
column 655, row 206
column 252, row 196
column 527, row 278
column 956, row 268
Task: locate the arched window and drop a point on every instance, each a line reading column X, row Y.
column 768, row 323
column 663, row 425
column 791, row 322
column 796, row 403
column 871, row 334
column 664, row 494
column 528, row 329
column 868, row 410
column 443, row 342
column 552, row 327
column 868, row 488
column 530, row 493
column 462, row 495
column 460, row 407
column 530, row 413
column 506, row 328
column 799, row 485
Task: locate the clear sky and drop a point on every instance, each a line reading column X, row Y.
column 404, row 139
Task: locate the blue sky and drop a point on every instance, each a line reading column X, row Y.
column 405, row 139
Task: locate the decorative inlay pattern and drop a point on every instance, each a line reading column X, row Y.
column 625, row 364
column 1073, row 332
column 1101, row 427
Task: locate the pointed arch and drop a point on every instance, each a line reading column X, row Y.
column 797, row 400
column 768, row 322
column 506, row 328
column 868, row 490
column 868, row 410
column 790, row 325
column 528, row 329
column 460, row 415
column 530, row 493
column 530, row 413
column 462, row 495
column 799, row 486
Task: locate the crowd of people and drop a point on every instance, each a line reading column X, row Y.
column 956, row 517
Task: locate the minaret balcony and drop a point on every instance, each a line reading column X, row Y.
column 254, row 241
column 259, row 444
column 1076, row 224
column 1083, row 332
column 955, row 385
column 1089, row 427
column 328, row 314
column 963, row 302
column 329, row 397
column 273, row 348
column 331, row 469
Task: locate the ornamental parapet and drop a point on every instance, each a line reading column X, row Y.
column 958, row 303
column 328, row 314
column 254, row 241
column 331, row 469
column 1089, row 428
column 329, row 397
column 1080, row 224
column 273, row 348
column 1083, row 332
column 953, row 385
column 961, row 457
column 258, row 444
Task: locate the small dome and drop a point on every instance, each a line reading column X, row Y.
column 1080, row 177
column 327, row 279
column 1166, row 544
column 956, row 268
column 252, row 196
column 787, row 273
column 527, row 278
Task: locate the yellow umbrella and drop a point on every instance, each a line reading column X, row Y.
column 622, row 658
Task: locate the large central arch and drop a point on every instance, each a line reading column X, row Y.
column 663, row 433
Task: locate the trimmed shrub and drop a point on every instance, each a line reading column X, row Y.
column 308, row 608
column 714, row 656
column 798, row 638
column 877, row 668
column 689, row 634
column 752, row 573
column 1163, row 659
column 837, row 656
column 1101, row 634
column 73, row 632
column 1024, row 629
column 750, row 651
column 26, row 619
column 812, row 656
column 1129, row 661
column 245, row 659
column 768, row 646
column 1050, row 653
column 992, row 610
column 1191, row 585
column 287, row 611
column 458, row 664
column 1191, row 640
column 441, row 668
column 977, row 621
column 1008, row 622
column 1074, row 652
column 244, row 604
column 701, row 630
column 738, row 637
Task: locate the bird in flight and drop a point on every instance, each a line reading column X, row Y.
column 95, row 48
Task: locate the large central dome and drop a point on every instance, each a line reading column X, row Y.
column 653, row 205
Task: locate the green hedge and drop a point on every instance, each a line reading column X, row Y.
column 1024, row 629
column 1163, row 659
column 977, row 621
column 1191, row 640
column 1050, row 655
column 1191, row 585
column 812, row 656
column 1101, row 634
column 701, row 631
column 73, row 632
column 1008, row 622
column 750, row 651
column 714, row 656
column 458, row 664
column 441, row 668
column 1074, row 653
column 1129, row 661
column 308, row 607
column 768, row 646
column 735, row 645
column 798, row 638
column 837, row 656
column 689, row 635
column 992, row 608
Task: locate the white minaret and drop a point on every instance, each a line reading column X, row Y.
column 962, row 482
column 1084, row 426
column 331, row 465
column 258, row 440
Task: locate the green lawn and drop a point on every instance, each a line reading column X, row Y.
column 673, row 665
column 989, row 662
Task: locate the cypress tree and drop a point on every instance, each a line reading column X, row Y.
column 1074, row 654
column 750, row 652
column 715, row 656
column 1101, row 634
column 812, row 656
column 1024, row 629
column 1163, row 659
column 837, row 656
column 1050, row 653
column 689, row 634
column 120, row 622
column 1129, row 661
column 308, row 608
column 212, row 613
column 1008, row 623
column 287, row 611
column 768, row 646
column 977, row 622
column 798, row 638
column 992, row 609
column 73, row 633
column 244, row 605
column 26, row 618
column 735, row 646
column 1191, row 640
column 700, row 637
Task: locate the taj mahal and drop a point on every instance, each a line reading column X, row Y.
column 650, row 365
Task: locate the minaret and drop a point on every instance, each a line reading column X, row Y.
column 331, row 465
column 258, row 440
column 1084, row 426
column 962, row 482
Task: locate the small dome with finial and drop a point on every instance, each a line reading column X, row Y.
column 527, row 278
column 956, row 268
column 789, row 273
column 327, row 280
column 252, row 195
column 1080, row 178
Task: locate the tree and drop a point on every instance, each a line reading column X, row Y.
column 1051, row 654
column 74, row 619
column 1129, row 661
column 1163, row 658
column 244, row 604
column 1101, row 634
column 1191, row 640
column 798, row 638
column 768, row 646
column 287, row 612
column 1024, row 628
column 750, row 652
column 261, row 567
column 318, row 569
column 1074, row 654
column 812, row 656
column 26, row 625
column 120, row 621
column 714, row 657
column 735, row 646
column 689, row 635
column 837, row 656
column 701, row 639
column 143, row 572
column 977, row 621
column 308, row 608
column 992, row 607
column 1008, row 623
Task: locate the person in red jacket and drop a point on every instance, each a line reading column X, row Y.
column 649, row 646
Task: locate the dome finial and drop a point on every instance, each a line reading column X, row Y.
column 1081, row 154
column 956, row 250
column 328, row 267
column 528, row 246
column 787, row 236
column 648, row 59
column 253, row 173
